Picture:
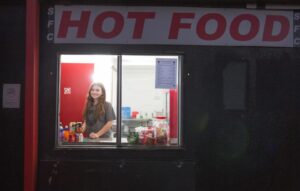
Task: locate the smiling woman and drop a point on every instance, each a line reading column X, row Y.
column 98, row 114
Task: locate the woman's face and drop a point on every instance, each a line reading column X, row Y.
column 96, row 92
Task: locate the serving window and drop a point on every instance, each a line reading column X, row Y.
column 119, row 100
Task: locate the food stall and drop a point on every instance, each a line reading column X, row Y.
column 189, row 96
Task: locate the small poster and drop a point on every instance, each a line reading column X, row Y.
column 11, row 95
column 166, row 73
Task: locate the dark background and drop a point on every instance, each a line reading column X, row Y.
column 12, row 67
column 253, row 149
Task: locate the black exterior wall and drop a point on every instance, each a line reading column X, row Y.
column 12, row 67
column 256, row 148
column 269, row 162
column 175, row 2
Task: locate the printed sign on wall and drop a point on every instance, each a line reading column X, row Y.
column 11, row 95
column 166, row 73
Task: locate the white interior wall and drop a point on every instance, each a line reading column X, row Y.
column 138, row 90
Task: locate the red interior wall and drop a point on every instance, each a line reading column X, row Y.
column 78, row 78
column 173, row 113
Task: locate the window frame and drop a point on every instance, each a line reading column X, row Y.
column 118, row 143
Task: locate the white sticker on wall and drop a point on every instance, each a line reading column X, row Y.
column 11, row 95
column 67, row 90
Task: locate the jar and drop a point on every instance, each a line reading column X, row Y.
column 161, row 127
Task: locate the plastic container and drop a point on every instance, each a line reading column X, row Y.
column 66, row 134
column 61, row 132
column 126, row 111
column 134, row 114
column 162, row 130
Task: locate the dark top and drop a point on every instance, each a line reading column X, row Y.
column 94, row 125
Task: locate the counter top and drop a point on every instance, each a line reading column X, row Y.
column 104, row 140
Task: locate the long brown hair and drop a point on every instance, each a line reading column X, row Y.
column 100, row 110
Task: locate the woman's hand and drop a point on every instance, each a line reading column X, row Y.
column 94, row 135
column 102, row 131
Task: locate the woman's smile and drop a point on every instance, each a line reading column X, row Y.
column 96, row 92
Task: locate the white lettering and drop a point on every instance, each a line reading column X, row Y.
column 297, row 16
column 297, row 41
column 50, row 23
column 50, row 36
column 51, row 11
column 296, row 28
